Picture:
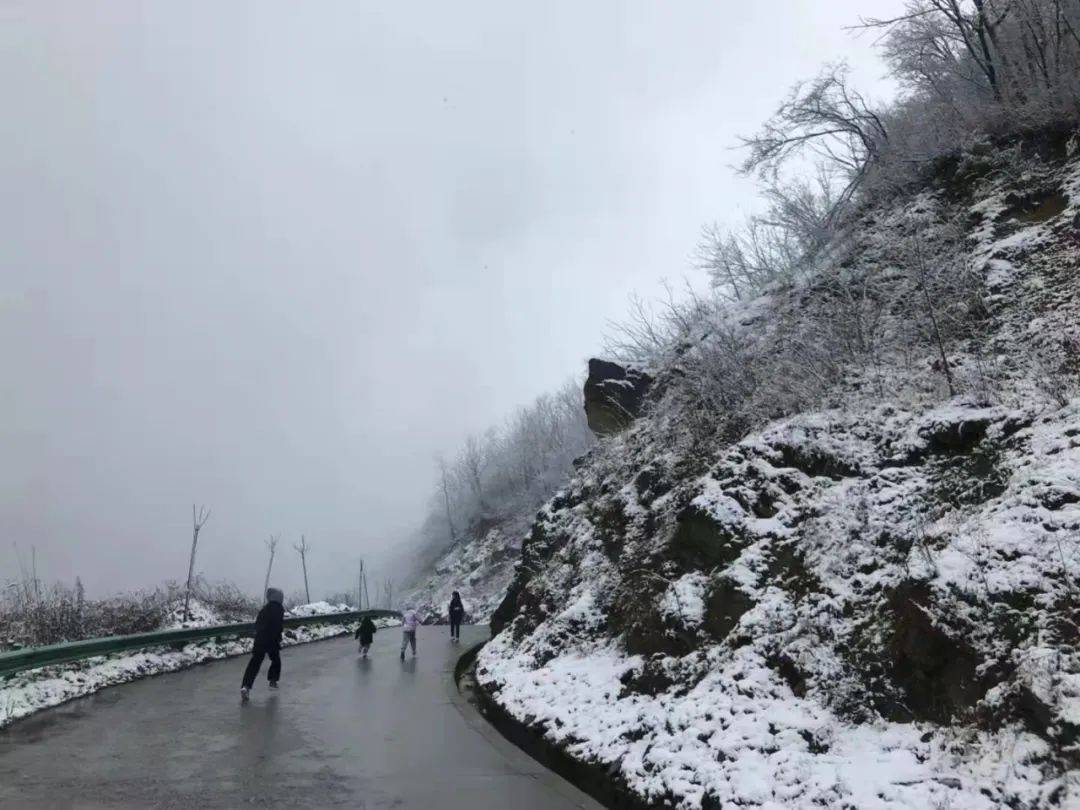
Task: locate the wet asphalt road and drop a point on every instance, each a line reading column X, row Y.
column 341, row 732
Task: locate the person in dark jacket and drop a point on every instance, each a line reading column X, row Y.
column 268, row 627
column 366, row 633
column 457, row 613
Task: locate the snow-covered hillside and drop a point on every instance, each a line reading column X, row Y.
column 479, row 569
column 870, row 602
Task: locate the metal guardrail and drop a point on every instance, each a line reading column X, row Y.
column 34, row 657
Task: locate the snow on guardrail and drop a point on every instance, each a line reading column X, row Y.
column 37, row 678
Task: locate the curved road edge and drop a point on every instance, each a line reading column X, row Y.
column 590, row 785
column 24, row 694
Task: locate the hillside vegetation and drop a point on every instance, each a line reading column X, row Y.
column 837, row 561
column 867, row 603
column 485, row 500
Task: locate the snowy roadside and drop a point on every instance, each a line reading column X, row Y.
column 739, row 738
column 762, row 716
column 31, row 691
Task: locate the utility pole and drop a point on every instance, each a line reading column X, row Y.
column 303, row 549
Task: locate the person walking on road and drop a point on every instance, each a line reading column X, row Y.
column 268, row 627
column 409, row 622
column 366, row 634
column 457, row 613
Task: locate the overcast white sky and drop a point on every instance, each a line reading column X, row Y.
column 274, row 256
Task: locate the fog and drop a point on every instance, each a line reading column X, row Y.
column 274, row 257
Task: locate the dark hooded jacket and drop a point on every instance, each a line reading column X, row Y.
column 457, row 609
column 366, row 631
column 271, row 620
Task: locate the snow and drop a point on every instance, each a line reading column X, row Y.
column 318, row 609
column 199, row 615
column 743, row 736
column 739, row 734
column 829, row 515
column 685, row 598
column 479, row 570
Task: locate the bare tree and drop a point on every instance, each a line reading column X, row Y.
column 922, row 278
column 30, row 584
column 198, row 520
column 33, row 569
column 509, row 470
column 302, row 549
column 473, row 462
column 969, row 70
column 388, row 594
column 271, row 546
column 977, row 63
column 363, row 599
column 444, row 487
column 80, row 600
column 828, row 117
column 642, row 337
column 946, row 35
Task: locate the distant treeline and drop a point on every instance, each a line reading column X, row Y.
column 506, row 472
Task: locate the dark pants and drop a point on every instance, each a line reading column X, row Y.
column 257, row 654
column 455, row 627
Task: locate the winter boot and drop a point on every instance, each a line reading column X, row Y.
column 245, row 693
column 273, row 684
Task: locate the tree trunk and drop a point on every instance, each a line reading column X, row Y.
column 191, row 564
column 303, row 564
column 269, row 567
column 446, row 499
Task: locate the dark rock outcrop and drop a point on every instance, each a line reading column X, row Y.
column 937, row 673
column 614, row 396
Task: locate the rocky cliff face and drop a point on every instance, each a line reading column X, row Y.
column 614, row 396
column 872, row 603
